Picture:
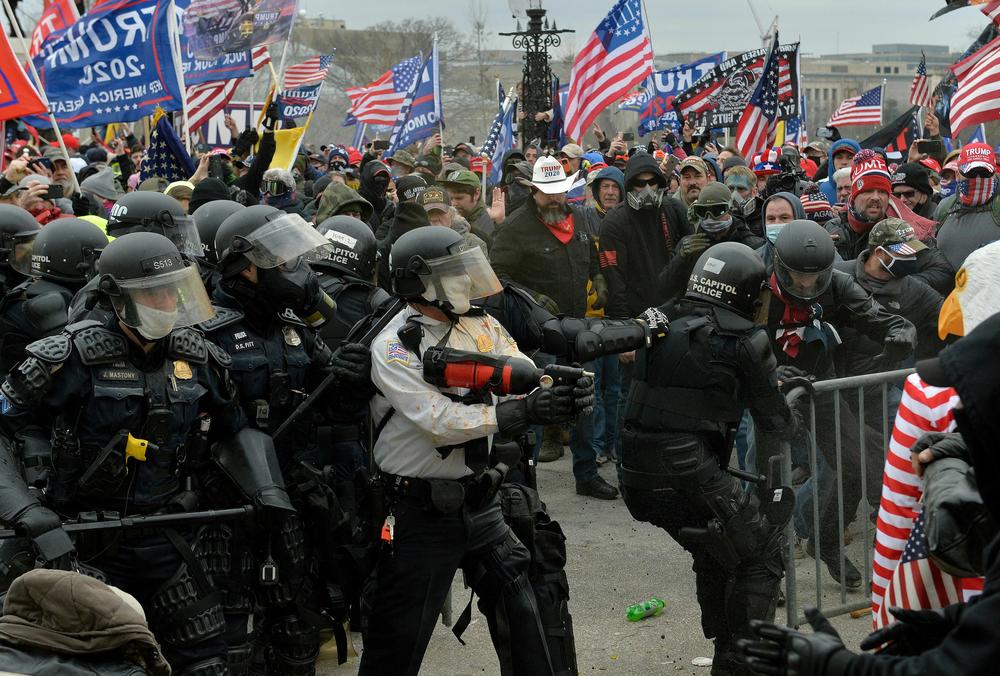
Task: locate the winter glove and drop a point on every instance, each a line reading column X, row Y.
column 691, row 246
column 45, row 530
column 786, row 652
column 943, row 445
column 543, row 406
column 913, row 632
column 547, row 303
column 601, row 289
column 897, row 347
column 583, row 396
column 245, row 142
column 352, row 362
column 271, row 117
column 790, row 377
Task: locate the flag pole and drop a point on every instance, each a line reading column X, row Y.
column 175, row 43
column 41, row 93
column 434, row 55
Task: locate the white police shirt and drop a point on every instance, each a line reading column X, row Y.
column 425, row 419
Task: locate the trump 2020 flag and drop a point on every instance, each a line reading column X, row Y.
column 420, row 115
column 500, row 138
column 56, row 16
column 298, row 102
column 17, row 95
column 617, row 56
column 116, row 64
column 165, row 157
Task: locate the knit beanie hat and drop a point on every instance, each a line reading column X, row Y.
column 817, row 207
column 913, row 175
column 869, row 172
column 208, row 190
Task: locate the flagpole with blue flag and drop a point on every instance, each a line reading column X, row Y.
column 175, row 43
column 499, row 139
column 41, row 94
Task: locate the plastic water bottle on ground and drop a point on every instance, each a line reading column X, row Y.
column 641, row 611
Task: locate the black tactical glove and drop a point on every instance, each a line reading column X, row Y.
column 583, row 396
column 943, row 445
column 244, row 144
column 547, row 303
column 913, row 632
column 691, row 246
column 543, row 406
column 45, row 530
column 787, row 652
column 601, row 289
column 271, row 117
column 897, row 348
column 352, row 362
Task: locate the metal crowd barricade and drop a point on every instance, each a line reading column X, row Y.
column 838, row 386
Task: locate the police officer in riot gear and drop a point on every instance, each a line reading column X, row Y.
column 689, row 393
column 17, row 229
column 120, row 397
column 265, row 285
column 207, row 219
column 148, row 211
column 433, row 451
column 62, row 260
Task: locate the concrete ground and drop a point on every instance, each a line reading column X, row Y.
column 614, row 562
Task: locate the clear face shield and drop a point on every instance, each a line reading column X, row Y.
column 282, row 240
column 184, row 234
column 154, row 306
column 19, row 257
column 460, row 279
column 805, row 287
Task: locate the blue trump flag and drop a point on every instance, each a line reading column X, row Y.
column 658, row 110
column 420, row 116
column 199, row 69
column 116, row 64
column 500, row 138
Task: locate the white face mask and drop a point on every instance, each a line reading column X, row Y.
column 154, row 324
column 771, row 230
column 456, row 291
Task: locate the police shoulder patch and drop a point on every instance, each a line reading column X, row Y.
column 396, row 352
column 224, row 316
column 220, row 356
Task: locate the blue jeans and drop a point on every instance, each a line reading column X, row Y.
column 803, row 516
column 607, row 392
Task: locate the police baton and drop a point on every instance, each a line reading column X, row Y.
column 366, row 339
column 150, row 521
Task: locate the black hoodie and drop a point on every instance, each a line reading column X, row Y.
column 637, row 245
column 368, row 190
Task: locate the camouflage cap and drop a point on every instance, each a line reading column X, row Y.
column 896, row 236
column 402, row 157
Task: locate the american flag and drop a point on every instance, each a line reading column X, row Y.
column 205, row 100
column 379, row 102
column 864, row 108
column 165, row 156
column 756, row 127
column 617, row 57
column 991, row 9
column 309, row 72
column 922, row 409
column 920, row 90
column 500, row 138
column 977, row 98
column 784, row 80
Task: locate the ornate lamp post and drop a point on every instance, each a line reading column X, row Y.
column 536, row 83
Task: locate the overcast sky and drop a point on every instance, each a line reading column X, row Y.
column 710, row 25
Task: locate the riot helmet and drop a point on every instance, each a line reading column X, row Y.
column 711, row 213
column 432, row 265
column 66, row 251
column 148, row 211
column 354, row 247
column 207, row 218
column 151, row 287
column 17, row 229
column 281, row 246
column 730, row 275
column 803, row 261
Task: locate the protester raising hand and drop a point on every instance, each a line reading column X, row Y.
column 498, row 210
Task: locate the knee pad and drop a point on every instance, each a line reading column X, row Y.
column 294, row 647
column 498, row 569
column 187, row 611
column 238, row 659
column 753, row 596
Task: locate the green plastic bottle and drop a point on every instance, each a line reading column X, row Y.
column 641, row 611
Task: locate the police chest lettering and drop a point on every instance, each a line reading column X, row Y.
column 118, row 374
column 710, row 287
column 248, row 345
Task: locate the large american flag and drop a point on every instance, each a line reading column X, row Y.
column 864, row 108
column 379, row 102
column 205, row 100
column 617, row 57
column 977, row 98
column 757, row 123
column 992, row 10
column 920, row 89
column 923, row 409
column 309, row 72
